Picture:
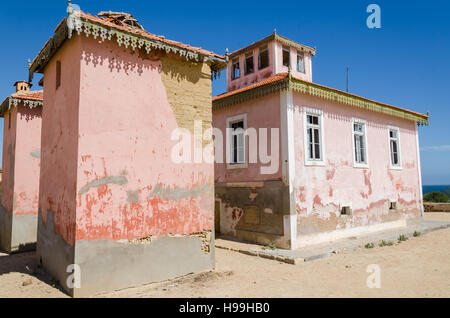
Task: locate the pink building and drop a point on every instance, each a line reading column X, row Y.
column 116, row 210
column 337, row 164
column 22, row 113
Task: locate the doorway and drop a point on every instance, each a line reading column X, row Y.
column 217, row 217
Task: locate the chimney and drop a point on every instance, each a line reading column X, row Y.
column 22, row 86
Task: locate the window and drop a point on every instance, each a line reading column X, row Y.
column 360, row 143
column 394, row 146
column 237, row 141
column 235, row 70
column 393, row 206
column 314, row 147
column 263, row 59
column 58, row 74
column 249, row 64
column 313, row 135
column 301, row 62
column 9, row 121
column 286, row 56
column 346, row 211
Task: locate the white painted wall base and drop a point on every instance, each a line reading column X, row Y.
column 290, row 229
column 307, row 240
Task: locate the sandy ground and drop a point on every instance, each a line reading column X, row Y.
column 419, row 267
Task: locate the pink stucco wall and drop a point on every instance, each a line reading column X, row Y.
column 321, row 191
column 257, row 76
column 125, row 131
column 27, row 160
column 107, row 171
column 21, row 147
column 8, row 162
column 261, row 113
column 59, row 153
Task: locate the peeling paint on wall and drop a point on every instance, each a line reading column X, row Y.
column 36, row 154
column 178, row 193
column 120, row 180
column 133, row 196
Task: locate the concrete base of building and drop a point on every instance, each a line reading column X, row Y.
column 18, row 233
column 93, row 267
column 319, row 238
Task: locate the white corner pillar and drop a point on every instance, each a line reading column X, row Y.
column 288, row 163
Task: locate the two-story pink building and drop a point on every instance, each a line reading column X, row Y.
column 22, row 113
column 305, row 163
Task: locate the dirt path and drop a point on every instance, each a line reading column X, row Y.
column 419, row 267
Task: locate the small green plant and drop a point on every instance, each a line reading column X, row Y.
column 369, row 245
column 270, row 247
column 417, row 234
column 402, row 238
column 384, row 243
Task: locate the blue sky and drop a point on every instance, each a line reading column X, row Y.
column 405, row 63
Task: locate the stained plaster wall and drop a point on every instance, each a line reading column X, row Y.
column 123, row 194
column 321, row 191
column 21, row 159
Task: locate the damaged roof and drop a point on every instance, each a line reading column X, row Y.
column 124, row 27
column 31, row 99
column 285, row 81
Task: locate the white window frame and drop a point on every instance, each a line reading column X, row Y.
column 356, row 164
column 230, row 121
column 399, row 166
column 319, row 113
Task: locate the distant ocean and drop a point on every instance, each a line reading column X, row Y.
column 434, row 188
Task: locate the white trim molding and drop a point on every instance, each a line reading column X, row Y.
column 288, row 162
column 362, row 165
column 315, row 112
column 419, row 168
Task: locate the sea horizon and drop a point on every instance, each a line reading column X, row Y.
column 435, row 188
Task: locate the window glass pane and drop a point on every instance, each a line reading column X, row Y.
column 286, row 57
column 363, row 152
column 357, row 148
column 241, row 148
column 237, row 125
column 394, row 151
column 249, row 65
column 235, row 149
column 310, row 144
column 394, row 134
column 301, row 63
column 316, row 135
column 235, row 72
column 317, row 151
column 263, row 60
